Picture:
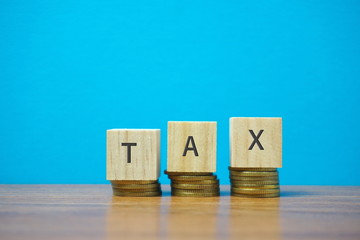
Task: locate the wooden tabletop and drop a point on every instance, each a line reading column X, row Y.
column 91, row 212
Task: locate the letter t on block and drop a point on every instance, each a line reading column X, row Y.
column 132, row 154
column 191, row 147
column 256, row 142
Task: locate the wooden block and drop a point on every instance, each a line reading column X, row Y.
column 256, row 142
column 133, row 154
column 191, row 147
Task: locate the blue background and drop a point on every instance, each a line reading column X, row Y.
column 69, row 70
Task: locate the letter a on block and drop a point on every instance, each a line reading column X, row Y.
column 191, row 147
column 256, row 142
column 132, row 154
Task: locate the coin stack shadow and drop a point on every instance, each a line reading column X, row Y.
column 194, row 184
column 254, row 182
column 136, row 188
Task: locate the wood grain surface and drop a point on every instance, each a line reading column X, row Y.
column 91, row 212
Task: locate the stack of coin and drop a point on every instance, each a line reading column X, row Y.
column 194, row 184
column 254, row 182
column 136, row 188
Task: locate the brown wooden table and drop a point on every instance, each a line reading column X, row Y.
column 91, row 212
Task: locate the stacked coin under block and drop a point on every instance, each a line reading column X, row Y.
column 256, row 153
column 133, row 162
column 136, row 188
column 254, row 182
column 192, row 159
column 194, row 184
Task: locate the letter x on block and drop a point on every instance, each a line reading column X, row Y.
column 255, row 142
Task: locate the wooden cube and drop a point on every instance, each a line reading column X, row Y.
column 191, row 147
column 256, row 142
column 133, row 154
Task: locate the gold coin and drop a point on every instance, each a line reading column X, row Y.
column 252, row 186
column 195, row 186
column 195, row 194
column 196, row 182
column 208, row 190
column 192, row 178
column 252, row 169
column 137, row 194
column 257, row 178
column 136, row 186
column 252, row 179
column 253, row 183
column 133, row 181
column 199, row 190
column 270, row 195
column 138, row 189
column 188, row 173
column 254, row 174
column 254, row 190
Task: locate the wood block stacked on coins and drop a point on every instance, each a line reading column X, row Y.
column 133, row 162
column 256, row 153
column 192, row 159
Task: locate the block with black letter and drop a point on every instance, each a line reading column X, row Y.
column 133, row 154
column 256, row 142
column 191, row 147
